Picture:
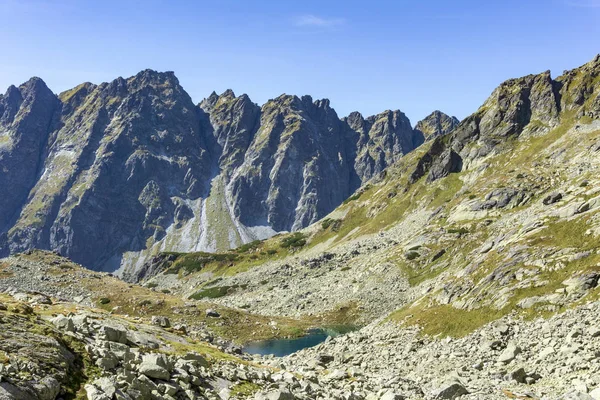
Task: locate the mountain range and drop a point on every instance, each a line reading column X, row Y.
column 452, row 260
column 111, row 174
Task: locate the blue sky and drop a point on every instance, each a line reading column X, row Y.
column 368, row 56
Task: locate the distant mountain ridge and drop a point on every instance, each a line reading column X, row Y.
column 110, row 174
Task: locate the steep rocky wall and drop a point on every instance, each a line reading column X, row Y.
column 111, row 174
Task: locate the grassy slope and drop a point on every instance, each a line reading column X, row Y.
column 381, row 205
column 136, row 301
column 540, row 161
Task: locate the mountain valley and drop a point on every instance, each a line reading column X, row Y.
column 149, row 239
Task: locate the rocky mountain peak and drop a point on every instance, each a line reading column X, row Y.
column 74, row 98
column 33, row 86
column 354, row 117
column 152, row 76
column 283, row 99
column 9, row 104
column 29, row 97
column 531, row 105
column 232, row 121
column 209, row 102
column 579, row 89
column 306, row 99
column 27, row 115
column 228, row 94
column 436, row 124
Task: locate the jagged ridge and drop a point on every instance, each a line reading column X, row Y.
column 119, row 171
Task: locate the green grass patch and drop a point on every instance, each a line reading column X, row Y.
column 566, row 233
column 459, row 231
column 354, row 197
column 248, row 246
column 194, row 262
column 295, row 240
column 244, row 389
column 445, row 320
column 446, row 190
column 335, row 224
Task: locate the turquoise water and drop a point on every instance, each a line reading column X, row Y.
column 284, row 347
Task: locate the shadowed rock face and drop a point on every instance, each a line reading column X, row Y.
column 110, row 174
column 379, row 141
column 298, row 160
column 116, row 160
column 26, row 116
column 296, row 169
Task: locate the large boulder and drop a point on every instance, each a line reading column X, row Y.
column 451, row 389
column 156, row 366
column 509, row 354
column 63, row 323
column 161, row 321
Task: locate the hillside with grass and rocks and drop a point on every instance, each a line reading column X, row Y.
column 463, row 255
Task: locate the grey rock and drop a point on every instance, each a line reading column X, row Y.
column 280, row 395
column 391, row 395
column 576, row 396
column 449, row 390
column 324, row 359
column 595, row 394
column 509, row 354
column 47, row 388
column 212, row 313
column 64, row 323
column 113, row 334
column 155, row 366
column 108, row 361
column 436, row 124
column 9, row 391
column 517, row 375
column 154, row 371
column 552, row 198
column 161, row 321
column 582, row 283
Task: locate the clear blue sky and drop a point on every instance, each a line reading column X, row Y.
column 369, row 56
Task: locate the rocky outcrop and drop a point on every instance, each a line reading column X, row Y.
column 578, row 89
column 379, row 141
column 233, row 123
column 531, row 105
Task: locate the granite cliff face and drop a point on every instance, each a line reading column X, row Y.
column 110, row 174
column 379, row 141
column 26, row 114
column 119, row 164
